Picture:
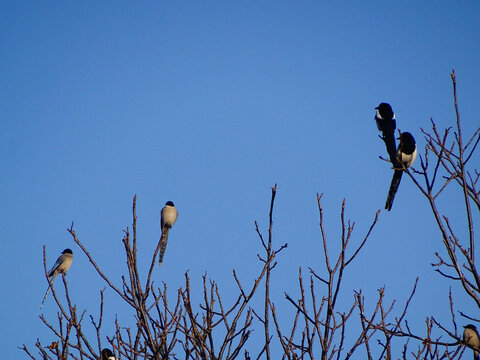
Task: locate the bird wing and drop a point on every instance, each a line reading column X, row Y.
column 57, row 264
column 397, row 176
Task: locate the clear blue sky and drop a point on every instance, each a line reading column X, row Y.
column 209, row 104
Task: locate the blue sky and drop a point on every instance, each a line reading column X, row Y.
column 209, row 104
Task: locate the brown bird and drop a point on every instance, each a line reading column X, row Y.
column 471, row 339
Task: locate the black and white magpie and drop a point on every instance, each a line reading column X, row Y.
column 107, row 355
column 385, row 118
column 405, row 156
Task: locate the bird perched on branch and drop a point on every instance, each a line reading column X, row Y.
column 107, row 355
column 471, row 338
column 168, row 216
column 406, row 154
column 385, row 118
column 61, row 266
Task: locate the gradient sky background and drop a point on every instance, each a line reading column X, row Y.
column 209, row 104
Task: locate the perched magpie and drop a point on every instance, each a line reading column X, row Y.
column 406, row 154
column 471, row 339
column 386, row 123
column 61, row 266
column 107, row 355
column 168, row 216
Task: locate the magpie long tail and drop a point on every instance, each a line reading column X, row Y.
column 389, row 139
column 397, row 176
column 163, row 246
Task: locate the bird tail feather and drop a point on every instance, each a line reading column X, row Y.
column 397, row 176
column 389, row 139
column 163, row 245
column 50, row 285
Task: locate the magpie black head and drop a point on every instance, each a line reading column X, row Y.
column 385, row 111
column 407, row 143
column 106, row 353
column 169, row 203
column 471, row 327
column 67, row 251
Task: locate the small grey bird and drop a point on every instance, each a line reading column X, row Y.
column 471, row 339
column 385, row 119
column 406, row 155
column 107, row 355
column 62, row 265
column 168, row 216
